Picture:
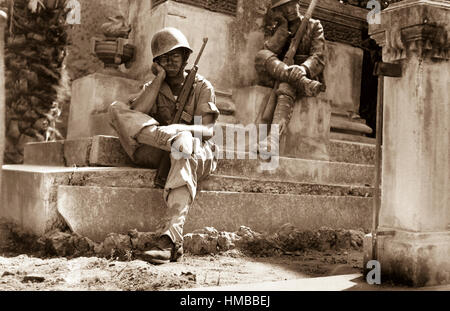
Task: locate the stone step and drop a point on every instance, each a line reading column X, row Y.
column 299, row 170
column 351, row 152
column 89, row 151
column 242, row 184
column 144, row 178
column 31, row 198
column 29, row 192
column 338, row 150
column 345, row 124
column 96, row 211
column 352, row 138
column 106, row 151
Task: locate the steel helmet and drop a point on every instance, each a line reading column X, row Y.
column 276, row 3
column 168, row 39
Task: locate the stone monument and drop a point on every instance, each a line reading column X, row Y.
column 415, row 201
column 92, row 94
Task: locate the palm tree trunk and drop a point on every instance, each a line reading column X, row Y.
column 36, row 82
column 2, row 94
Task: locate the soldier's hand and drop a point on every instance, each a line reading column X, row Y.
column 280, row 19
column 296, row 72
column 158, row 70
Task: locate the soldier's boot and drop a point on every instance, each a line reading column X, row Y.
column 170, row 244
column 165, row 251
column 310, row 87
column 280, row 71
column 281, row 117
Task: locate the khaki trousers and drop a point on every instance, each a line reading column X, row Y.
column 137, row 133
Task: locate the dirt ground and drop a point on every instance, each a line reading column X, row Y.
column 27, row 272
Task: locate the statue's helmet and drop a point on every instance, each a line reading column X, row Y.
column 168, row 39
column 276, row 3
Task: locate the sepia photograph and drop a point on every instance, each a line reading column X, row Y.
column 225, row 153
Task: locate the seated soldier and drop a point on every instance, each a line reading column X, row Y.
column 304, row 77
column 144, row 130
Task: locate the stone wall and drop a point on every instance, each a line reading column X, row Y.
column 80, row 61
column 195, row 23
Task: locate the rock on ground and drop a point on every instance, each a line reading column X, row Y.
column 287, row 240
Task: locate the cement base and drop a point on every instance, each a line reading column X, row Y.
column 29, row 193
column 95, row 212
column 92, row 95
column 411, row 258
column 97, row 201
column 308, row 131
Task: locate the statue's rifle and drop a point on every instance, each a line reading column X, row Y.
column 180, row 115
column 269, row 108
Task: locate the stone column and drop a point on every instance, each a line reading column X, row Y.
column 2, row 91
column 415, row 202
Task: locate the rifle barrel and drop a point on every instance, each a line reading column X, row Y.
column 205, row 40
column 300, row 32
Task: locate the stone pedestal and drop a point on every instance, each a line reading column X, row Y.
column 307, row 135
column 415, row 202
column 249, row 100
column 308, row 131
column 91, row 97
column 343, row 26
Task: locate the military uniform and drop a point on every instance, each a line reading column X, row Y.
column 271, row 68
column 145, row 150
column 310, row 52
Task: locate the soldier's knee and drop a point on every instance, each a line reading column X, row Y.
column 262, row 57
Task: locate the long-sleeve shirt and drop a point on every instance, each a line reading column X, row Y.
column 311, row 51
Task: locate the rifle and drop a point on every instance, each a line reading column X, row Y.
column 180, row 115
column 269, row 108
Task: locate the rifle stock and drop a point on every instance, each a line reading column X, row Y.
column 269, row 108
column 183, row 98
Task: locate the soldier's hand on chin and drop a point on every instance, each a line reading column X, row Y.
column 280, row 19
column 158, row 70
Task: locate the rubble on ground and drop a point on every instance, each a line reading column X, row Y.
column 288, row 240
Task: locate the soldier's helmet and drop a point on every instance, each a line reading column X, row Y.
column 276, row 3
column 168, row 39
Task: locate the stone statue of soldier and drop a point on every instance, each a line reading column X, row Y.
column 282, row 22
column 144, row 129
